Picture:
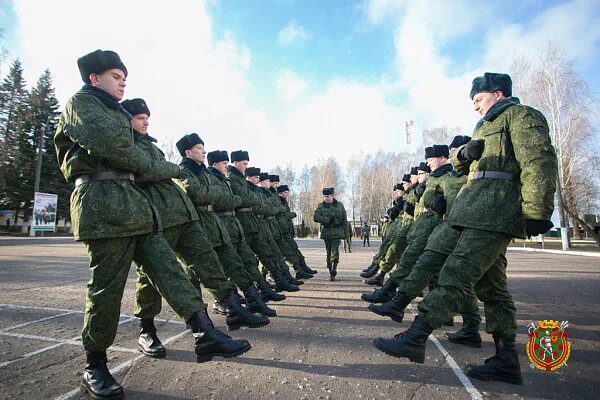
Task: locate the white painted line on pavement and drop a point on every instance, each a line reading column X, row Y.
column 36, row 321
column 119, row 368
column 563, row 252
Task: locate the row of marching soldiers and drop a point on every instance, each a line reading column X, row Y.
column 213, row 212
column 452, row 219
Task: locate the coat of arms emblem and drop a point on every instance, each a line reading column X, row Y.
column 548, row 348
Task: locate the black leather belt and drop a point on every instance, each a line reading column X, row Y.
column 226, row 214
column 104, row 176
column 245, row 209
column 490, row 175
column 208, row 207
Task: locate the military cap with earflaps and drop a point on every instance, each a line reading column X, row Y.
column 136, row 106
column 491, row 82
column 459, row 141
column 252, row 171
column 264, row 176
column 328, row 191
column 398, row 186
column 406, row 178
column 413, row 170
column 274, row 178
column 187, row 142
column 239, row 155
column 283, row 188
column 423, row 167
column 97, row 62
column 217, row 156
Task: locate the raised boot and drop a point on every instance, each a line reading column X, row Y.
column 256, row 304
column 267, row 293
column 393, row 308
column 148, row 342
column 467, row 335
column 282, row 284
column 370, row 271
column 381, row 295
column 503, row 366
column 306, row 268
column 289, row 278
column 408, row 344
column 333, row 271
column 97, row 380
column 211, row 342
column 376, row 279
column 300, row 273
column 238, row 316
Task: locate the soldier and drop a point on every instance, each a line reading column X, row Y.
column 185, row 236
column 117, row 222
column 366, row 233
column 254, row 231
column 348, row 239
column 509, row 193
column 331, row 214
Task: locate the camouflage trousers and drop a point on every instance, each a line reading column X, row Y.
column 110, row 262
column 276, row 252
column 478, row 261
column 417, row 237
column 395, row 250
column 292, row 243
column 290, row 255
column 427, row 268
column 201, row 264
column 249, row 260
column 332, row 248
column 348, row 245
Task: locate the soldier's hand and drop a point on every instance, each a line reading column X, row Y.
column 535, row 227
column 439, row 204
column 472, row 150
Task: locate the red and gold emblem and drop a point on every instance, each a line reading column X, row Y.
column 548, row 348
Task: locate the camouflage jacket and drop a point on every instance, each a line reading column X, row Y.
column 92, row 137
column 332, row 218
column 285, row 219
column 250, row 199
column 173, row 205
column 204, row 190
column 271, row 209
column 224, row 209
column 436, row 184
column 517, row 142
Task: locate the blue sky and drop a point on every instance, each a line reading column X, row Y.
column 319, row 77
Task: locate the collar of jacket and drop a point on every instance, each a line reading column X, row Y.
column 265, row 191
column 218, row 174
column 282, row 200
column 233, row 170
column 146, row 136
column 193, row 166
column 105, row 98
column 273, row 190
column 498, row 109
column 442, row 170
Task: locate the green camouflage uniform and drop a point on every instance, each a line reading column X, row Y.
column 332, row 218
column 185, row 235
column 490, row 212
column 114, row 218
column 287, row 228
column 272, row 217
column 348, row 239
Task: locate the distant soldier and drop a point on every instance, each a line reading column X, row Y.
column 509, row 193
column 348, row 239
column 366, row 234
column 331, row 214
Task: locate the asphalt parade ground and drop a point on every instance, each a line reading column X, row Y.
column 318, row 347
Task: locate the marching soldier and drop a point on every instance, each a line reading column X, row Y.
column 509, row 193
column 331, row 214
column 366, row 234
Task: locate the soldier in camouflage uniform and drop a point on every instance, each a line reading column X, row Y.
column 509, row 193
column 186, row 235
column 117, row 222
column 331, row 214
column 348, row 239
column 254, row 231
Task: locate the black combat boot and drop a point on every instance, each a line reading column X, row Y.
column 393, row 308
column 370, row 271
column 281, row 284
column 97, row 380
column 409, row 344
column 468, row 335
column 290, row 279
column 333, row 271
column 503, row 366
column 267, row 293
column 377, row 279
column 238, row 316
column 148, row 342
column 381, row 295
column 211, row 342
column 256, row 304
column 306, row 268
column 300, row 273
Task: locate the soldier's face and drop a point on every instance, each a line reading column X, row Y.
column 422, row 177
column 414, row 179
column 253, row 179
column 274, row 185
column 328, row 198
column 221, row 166
column 140, row 123
column 197, row 153
column 396, row 193
column 406, row 185
column 482, row 102
column 285, row 194
column 266, row 184
column 436, row 162
column 241, row 165
column 111, row 81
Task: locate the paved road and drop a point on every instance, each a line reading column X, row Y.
column 319, row 347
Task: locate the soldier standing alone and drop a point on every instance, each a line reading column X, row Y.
column 331, row 214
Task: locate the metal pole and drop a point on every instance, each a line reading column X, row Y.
column 38, row 171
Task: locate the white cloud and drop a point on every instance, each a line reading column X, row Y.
column 289, row 86
column 292, row 34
